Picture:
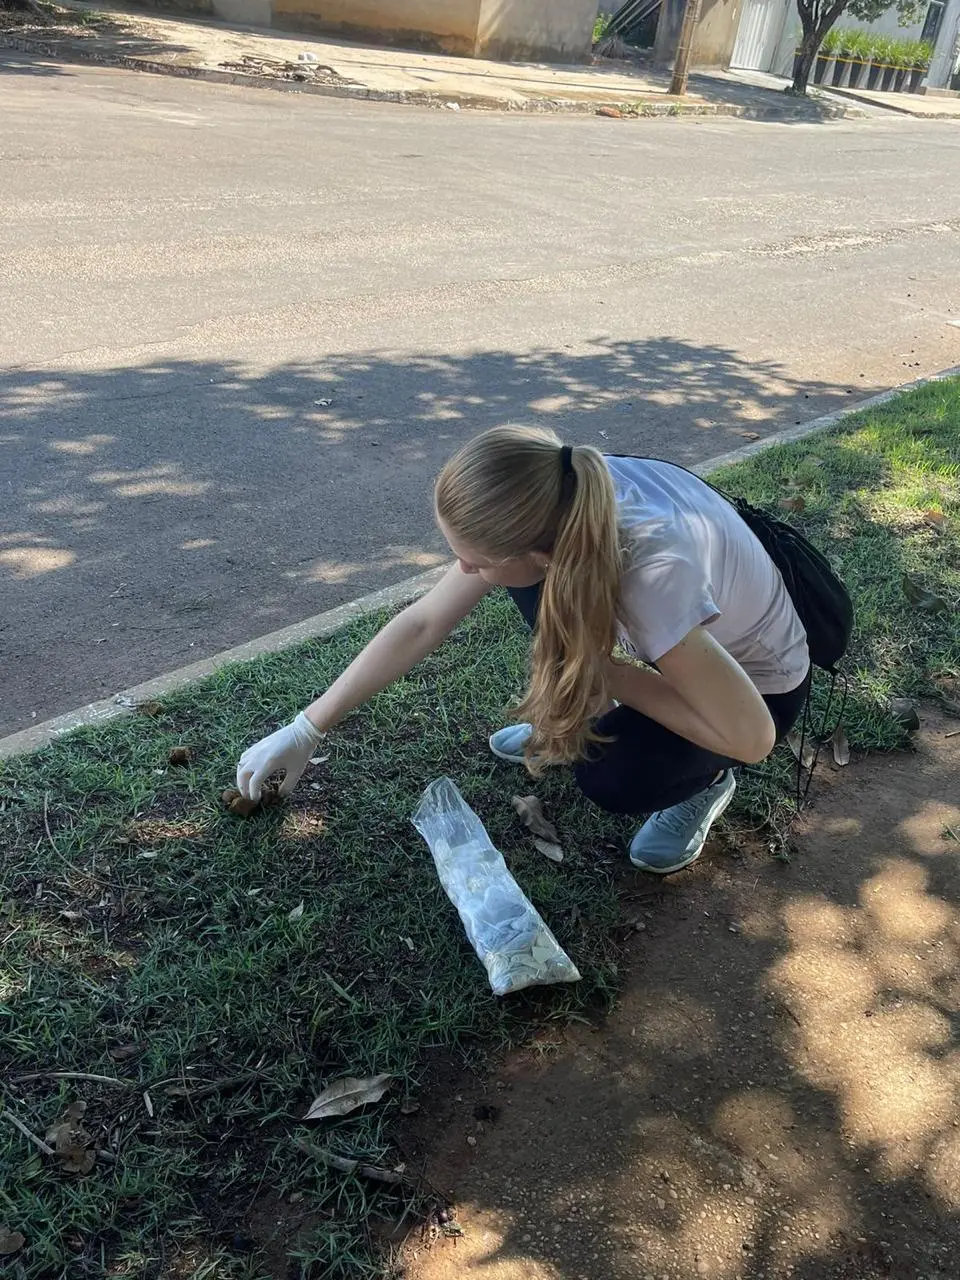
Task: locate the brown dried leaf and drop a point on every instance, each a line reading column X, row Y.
column 611, row 113
column 121, row 1052
column 548, row 849
column 793, row 742
column 77, row 1159
column 10, row 1241
column 150, row 708
column 840, row 745
column 530, row 811
column 904, row 711
column 935, row 519
column 920, row 598
column 797, row 503
column 345, row 1095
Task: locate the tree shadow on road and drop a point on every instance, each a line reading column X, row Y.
column 160, row 513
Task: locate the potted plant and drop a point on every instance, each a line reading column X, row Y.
column 861, row 47
column 902, row 61
column 846, row 39
column 876, row 64
column 922, row 53
column 885, row 50
column 826, row 55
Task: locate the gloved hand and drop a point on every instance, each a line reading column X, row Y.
column 288, row 749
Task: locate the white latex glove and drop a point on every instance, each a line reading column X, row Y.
column 288, row 749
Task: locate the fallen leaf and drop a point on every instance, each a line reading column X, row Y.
column 923, row 599
column 747, row 435
column 10, row 1241
column 179, row 756
column 70, row 1141
column 530, row 811
column 150, row 708
column 935, row 519
column 319, row 759
column 346, row 1095
column 121, row 1052
column 548, row 849
column 77, row 1159
column 797, row 504
column 793, row 742
column 71, row 916
column 611, row 113
column 904, row 711
column 840, row 745
column 297, row 913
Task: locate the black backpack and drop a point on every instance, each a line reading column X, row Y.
column 819, row 597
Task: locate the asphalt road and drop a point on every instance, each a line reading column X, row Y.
column 241, row 330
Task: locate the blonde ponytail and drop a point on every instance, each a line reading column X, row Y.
column 506, row 494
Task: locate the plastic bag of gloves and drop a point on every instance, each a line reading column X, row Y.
column 504, row 928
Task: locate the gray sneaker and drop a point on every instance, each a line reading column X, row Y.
column 673, row 838
column 509, row 743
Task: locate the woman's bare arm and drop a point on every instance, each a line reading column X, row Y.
column 702, row 694
column 398, row 646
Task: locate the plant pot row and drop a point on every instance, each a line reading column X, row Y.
column 852, row 73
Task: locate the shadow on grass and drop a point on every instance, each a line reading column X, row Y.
column 161, row 513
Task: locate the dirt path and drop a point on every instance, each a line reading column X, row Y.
column 776, row 1095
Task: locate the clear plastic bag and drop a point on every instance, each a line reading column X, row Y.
column 506, row 931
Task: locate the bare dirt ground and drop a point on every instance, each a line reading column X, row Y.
column 776, row 1094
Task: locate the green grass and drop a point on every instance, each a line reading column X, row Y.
column 147, row 916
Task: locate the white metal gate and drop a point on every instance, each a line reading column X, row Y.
column 759, row 34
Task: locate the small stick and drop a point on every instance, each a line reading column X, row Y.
column 37, row 1142
column 954, row 733
column 73, row 1075
column 343, row 1165
column 215, row 1086
column 46, row 820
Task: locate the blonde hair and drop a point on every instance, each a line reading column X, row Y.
column 505, row 494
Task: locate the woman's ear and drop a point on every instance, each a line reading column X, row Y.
column 541, row 559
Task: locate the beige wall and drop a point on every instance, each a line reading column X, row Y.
column 716, row 33
column 532, row 30
column 715, row 36
column 537, row 30
column 448, row 25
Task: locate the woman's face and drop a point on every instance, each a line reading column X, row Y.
column 519, row 571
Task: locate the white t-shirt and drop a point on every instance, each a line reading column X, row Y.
column 691, row 561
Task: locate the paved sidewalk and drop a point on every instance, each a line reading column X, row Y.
column 920, row 105
column 213, row 50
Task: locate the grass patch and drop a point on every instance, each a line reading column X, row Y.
column 144, row 933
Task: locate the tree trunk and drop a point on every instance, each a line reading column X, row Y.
column 808, row 54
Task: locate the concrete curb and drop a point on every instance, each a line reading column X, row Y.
column 853, row 96
column 324, row 624
column 639, row 109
